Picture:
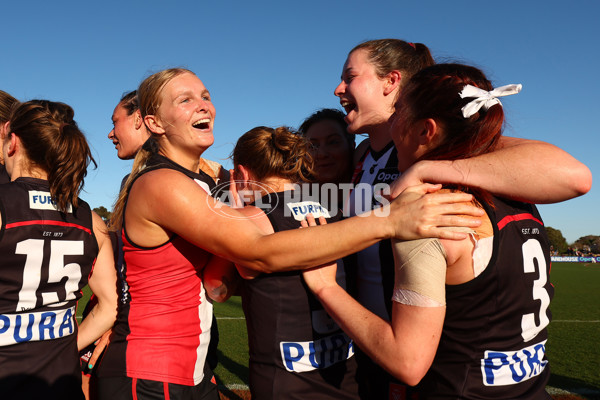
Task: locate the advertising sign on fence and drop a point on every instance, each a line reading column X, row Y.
column 575, row 259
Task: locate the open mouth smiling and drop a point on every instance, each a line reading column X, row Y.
column 203, row 124
column 348, row 106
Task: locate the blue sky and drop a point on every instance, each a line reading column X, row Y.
column 274, row 63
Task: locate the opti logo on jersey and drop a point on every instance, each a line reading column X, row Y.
column 386, row 175
column 43, row 201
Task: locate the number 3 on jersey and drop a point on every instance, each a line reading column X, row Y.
column 57, row 270
column 532, row 251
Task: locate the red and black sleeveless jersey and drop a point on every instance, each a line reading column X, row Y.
column 296, row 350
column 47, row 257
column 164, row 320
column 494, row 336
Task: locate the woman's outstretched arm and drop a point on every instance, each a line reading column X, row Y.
column 180, row 206
column 525, row 170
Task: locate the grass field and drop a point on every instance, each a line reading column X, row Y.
column 232, row 370
column 573, row 346
column 574, row 333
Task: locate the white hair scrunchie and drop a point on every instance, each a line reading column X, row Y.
column 485, row 99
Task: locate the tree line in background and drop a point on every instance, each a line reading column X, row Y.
column 103, row 213
column 589, row 244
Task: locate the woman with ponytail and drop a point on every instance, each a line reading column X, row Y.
column 469, row 317
column 7, row 102
column 172, row 229
column 52, row 245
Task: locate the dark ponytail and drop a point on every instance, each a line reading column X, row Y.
column 149, row 148
column 53, row 142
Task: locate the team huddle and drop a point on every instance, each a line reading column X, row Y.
column 431, row 282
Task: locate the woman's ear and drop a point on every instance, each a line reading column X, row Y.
column 137, row 119
column 242, row 177
column 392, row 82
column 243, row 184
column 429, row 131
column 154, row 124
column 13, row 145
column 4, row 130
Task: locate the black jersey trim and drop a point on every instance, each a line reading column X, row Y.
column 378, row 154
column 156, row 162
column 133, row 244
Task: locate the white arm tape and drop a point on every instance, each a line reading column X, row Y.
column 420, row 267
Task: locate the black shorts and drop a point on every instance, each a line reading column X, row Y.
column 125, row 388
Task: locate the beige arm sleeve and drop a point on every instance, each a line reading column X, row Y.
column 420, row 268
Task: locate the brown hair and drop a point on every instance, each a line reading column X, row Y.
column 53, row 142
column 148, row 98
column 328, row 114
column 274, row 152
column 387, row 55
column 434, row 93
column 7, row 102
column 129, row 102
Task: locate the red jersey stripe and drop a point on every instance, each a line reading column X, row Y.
column 166, row 390
column 47, row 222
column 134, row 388
column 517, row 217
